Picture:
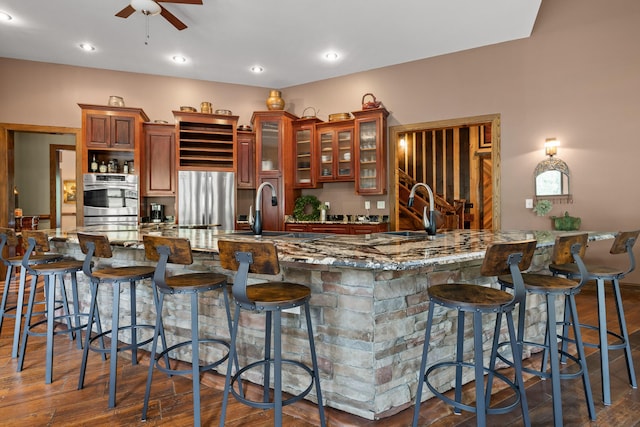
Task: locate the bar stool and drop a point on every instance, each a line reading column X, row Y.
column 174, row 250
column 9, row 239
column 500, row 259
column 567, row 249
column 623, row 243
column 272, row 298
column 95, row 245
column 53, row 273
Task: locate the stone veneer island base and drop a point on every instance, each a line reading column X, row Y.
column 369, row 305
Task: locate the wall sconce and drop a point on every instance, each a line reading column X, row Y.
column 551, row 146
column 403, row 143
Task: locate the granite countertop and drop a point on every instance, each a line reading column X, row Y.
column 370, row 251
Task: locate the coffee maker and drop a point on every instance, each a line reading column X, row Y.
column 157, row 212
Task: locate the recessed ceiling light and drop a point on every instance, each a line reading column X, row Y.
column 257, row 69
column 331, row 56
column 178, row 59
column 4, row 16
column 86, row 46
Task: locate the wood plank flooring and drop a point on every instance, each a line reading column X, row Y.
column 25, row 400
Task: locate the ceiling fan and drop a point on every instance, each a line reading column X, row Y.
column 153, row 7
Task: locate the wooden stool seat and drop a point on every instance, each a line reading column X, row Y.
column 195, row 282
column 271, row 298
column 543, row 283
column 34, row 259
column 469, row 297
column 278, row 294
column 500, row 259
column 58, row 267
column 98, row 246
column 567, row 247
column 594, row 270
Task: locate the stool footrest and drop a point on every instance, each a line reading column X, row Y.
column 271, row 405
column 125, row 347
column 203, row 368
column 544, row 374
column 469, row 408
column 57, row 319
column 616, row 346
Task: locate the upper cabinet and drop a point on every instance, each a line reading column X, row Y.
column 371, row 151
column 304, row 135
column 335, row 151
column 159, row 170
column 111, row 133
column 206, row 141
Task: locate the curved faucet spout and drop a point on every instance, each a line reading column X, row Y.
column 428, row 220
column 256, row 222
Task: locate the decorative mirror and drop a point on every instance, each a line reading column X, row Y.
column 552, row 179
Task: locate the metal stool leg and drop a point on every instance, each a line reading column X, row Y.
column 625, row 334
column 459, row 359
column 267, row 357
column 481, row 409
column 195, row 359
column 19, row 303
column 134, row 317
column 314, row 362
column 51, row 303
column 604, row 343
column 27, row 322
column 277, row 369
column 554, row 360
column 113, row 362
column 232, row 356
column 87, row 338
column 423, row 366
column 586, row 383
column 516, row 350
column 152, row 360
column 5, row 294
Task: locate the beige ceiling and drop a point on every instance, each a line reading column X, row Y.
column 288, row 38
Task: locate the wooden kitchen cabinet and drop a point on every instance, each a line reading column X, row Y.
column 317, row 227
column 275, row 164
column 159, row 154
column 246, row 176
column 304, row 135
column 335, row 151
column 371, row 151
column 110, row 133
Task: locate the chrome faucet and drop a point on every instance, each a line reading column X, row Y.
column 429, row 220
column 256, row 223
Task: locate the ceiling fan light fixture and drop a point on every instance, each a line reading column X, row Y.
column 257, row 69
column 4, row 16
column 147, row 7
column 178, row 59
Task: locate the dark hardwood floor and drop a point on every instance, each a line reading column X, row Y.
column 25, row 399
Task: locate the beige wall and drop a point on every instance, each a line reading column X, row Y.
column 576, row 78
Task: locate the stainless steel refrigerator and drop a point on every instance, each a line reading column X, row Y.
column 207, row 198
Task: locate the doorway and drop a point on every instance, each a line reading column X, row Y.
column 459, row 159
column 10, row 136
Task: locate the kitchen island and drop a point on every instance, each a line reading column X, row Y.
column 369, row 303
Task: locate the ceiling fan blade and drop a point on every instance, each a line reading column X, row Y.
column 180, row 1
column 172, row 19
column 126, row 12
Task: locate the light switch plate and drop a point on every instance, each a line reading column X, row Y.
column 528, row 203
column 367, row 204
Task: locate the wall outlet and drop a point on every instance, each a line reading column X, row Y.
column 367, row 204
column 328, row 205
column 528, row 203
column 380, row 204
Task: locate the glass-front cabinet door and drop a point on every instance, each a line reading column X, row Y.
column 335, row 152
column 269, row 145
column 371, row 151
column 305, row 153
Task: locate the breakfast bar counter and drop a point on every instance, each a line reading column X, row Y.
column 369, row 302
